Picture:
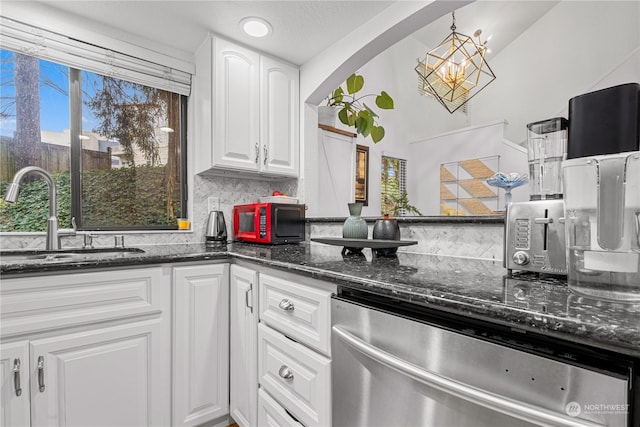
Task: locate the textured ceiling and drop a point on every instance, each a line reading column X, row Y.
column 301, row 29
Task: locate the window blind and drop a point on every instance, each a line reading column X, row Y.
column 33, row 41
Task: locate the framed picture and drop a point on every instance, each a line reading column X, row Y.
column 362, row 174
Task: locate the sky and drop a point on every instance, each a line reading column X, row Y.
column 54, row 100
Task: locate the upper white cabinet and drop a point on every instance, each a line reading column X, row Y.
column 279, row 98
column 236, row 127
column 246, row 111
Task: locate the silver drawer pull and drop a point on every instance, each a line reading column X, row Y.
column 246, row 297
column 286, row 305
column 16, row 377
column 41, row 373
column 286, row 373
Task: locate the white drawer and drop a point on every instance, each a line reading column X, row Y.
column 42, row 303
column 299, row 311
column 298, row 378
column 271, row 414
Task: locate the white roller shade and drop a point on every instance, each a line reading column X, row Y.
column 33, row 41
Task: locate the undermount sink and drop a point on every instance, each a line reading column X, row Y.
column 62, row 255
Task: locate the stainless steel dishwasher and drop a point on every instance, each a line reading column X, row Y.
column 396, row 366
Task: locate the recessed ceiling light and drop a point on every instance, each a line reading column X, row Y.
column 255, row 27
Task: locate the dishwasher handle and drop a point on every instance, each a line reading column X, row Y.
column 530, row 413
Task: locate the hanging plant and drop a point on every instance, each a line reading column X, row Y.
column 354, row 113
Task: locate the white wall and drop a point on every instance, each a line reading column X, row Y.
column 319, row 76
column 565, row 53
column 577, row 47
column 463, row 144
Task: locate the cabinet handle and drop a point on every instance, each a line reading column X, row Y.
column 286, row 305
column 266, row 152
column 41, row 373
column 246, row 297
column 286, row 373
column 257, row 152
column 16, row 377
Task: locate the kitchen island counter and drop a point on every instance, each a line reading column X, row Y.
column 478, row 289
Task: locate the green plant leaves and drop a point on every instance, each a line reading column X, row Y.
column 370, row 110
column 364, row 122
column 354, row 83
column 384, row 101
column 377, row 133
column 336, row 96
column 347, row 115
column 353, row 113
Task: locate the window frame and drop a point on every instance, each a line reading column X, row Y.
column 402, row 180
column 75, row 84
column 75, row 155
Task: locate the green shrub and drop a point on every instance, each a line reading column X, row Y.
column 126, row 197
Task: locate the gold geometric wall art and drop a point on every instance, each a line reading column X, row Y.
column 463, row 187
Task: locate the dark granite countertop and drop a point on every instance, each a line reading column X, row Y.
column 482, row 219
column 471, row 288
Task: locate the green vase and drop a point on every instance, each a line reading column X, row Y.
column 355, row 227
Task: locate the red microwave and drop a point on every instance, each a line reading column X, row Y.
column 269, row 223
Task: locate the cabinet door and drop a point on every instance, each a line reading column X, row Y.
column 236, row 121
column 297, row 377
column 271, row 414
column 336, row 172
column 201, row 352
column 244, row 346
column 116, row 376
column 299, row 311
column 14, row 379
column 279, row 117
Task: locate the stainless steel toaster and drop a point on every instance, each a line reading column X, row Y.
column 534, row 238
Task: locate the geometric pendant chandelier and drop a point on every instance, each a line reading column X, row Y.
column 455, row 70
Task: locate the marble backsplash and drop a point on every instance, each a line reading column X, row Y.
column 229, row 191
column 482, row 241
column 478, row 241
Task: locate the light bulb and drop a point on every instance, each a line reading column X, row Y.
column 255, row 27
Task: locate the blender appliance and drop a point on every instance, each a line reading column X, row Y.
column 534, row 230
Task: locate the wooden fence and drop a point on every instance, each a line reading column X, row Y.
column 53, row 158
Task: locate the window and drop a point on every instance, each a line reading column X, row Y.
column 393, row 185
column 116, row 148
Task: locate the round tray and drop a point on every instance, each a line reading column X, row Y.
column 364, row 243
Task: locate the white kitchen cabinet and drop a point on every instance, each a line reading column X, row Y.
column 14, row 382
column 94, row 348
column 279, row 100
column 244, row 345
column 298, row 311
column 113, row 376
column 271, row 414
column 298, row 377
column 236, row 126
column 294, row 364
column 246, row 112
column 201, row 343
